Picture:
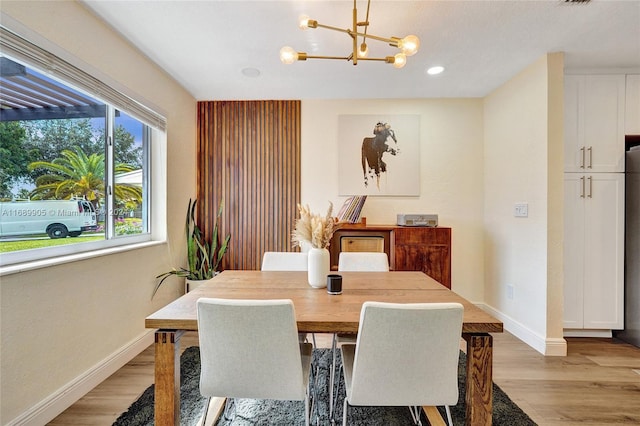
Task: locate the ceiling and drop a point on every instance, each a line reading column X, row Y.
column 215, row 48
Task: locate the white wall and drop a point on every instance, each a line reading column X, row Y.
column 523, row 164
column 451, row 173
column 60, row 325
column 478, row 157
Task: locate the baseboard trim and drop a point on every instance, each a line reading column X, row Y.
column 546, row 346
column 555, row 347
column 587, row 333
column 50, row 407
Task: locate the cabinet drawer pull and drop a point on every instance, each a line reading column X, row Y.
column 582, row 160
column 590, row 149
column 582, row 187
column 590, row 186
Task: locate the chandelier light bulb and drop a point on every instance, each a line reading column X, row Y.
column 400, row 60
column 288, row 55
column 303, row 22
column 409, row 45
column 363, row 51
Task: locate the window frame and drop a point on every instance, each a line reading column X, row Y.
column 154, row 135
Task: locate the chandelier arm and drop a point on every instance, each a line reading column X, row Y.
column 393, row 41
column 329, row 27
column 355, row 30
column 328, row 57
column 366, row 23
column 387, row 59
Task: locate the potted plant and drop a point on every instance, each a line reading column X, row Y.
column 203, row 256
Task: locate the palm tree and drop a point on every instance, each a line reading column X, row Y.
column 79, row 175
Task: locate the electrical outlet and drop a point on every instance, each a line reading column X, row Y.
column 510, row 291
column 521, row 210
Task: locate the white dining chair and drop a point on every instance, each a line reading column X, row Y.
column 284, row 261
column 250, row 349
column 354, row 261
column 363, row 261
column 405, row 354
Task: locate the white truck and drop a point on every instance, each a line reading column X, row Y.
column 56, row 218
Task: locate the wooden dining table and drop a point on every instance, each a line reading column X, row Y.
column 320, row 312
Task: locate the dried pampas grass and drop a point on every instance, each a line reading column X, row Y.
column 312, row 228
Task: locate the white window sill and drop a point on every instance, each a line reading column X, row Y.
column 59, row 260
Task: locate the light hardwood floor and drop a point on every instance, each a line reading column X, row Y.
column 597, row 383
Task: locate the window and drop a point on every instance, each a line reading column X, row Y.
column 74, row 158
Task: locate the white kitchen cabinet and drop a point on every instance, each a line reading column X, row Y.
column 594, row 123
column 594, row 251
column 632, row 105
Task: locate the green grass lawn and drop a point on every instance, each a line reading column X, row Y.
column 9, row 246
column 126, row 226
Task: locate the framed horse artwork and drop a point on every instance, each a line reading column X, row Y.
column 379, row 155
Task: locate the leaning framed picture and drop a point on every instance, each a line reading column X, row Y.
column 379, row 155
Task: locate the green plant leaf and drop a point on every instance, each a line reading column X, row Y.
column 203, row 255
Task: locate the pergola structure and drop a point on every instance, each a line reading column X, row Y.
column 27, row 95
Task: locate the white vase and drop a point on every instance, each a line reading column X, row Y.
column 305, row 246
column 318, row 267
column 190, row 285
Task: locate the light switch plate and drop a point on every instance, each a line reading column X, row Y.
column 521, row 210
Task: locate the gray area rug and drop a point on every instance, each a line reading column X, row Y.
column 247, row 412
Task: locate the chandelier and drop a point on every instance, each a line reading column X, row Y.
column 408, row 45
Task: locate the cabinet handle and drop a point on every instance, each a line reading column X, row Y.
column 590, row 149
column 590, row 186
column 582, row 187
column 582, row 155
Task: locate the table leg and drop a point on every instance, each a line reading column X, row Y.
column 167, row 380
column 479, row 391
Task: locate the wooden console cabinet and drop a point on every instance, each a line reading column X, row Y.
column 409, row 248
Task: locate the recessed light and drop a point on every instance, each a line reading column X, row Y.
column 435, row 70
column 251, row 72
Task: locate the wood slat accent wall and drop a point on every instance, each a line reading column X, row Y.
column 249, row 156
